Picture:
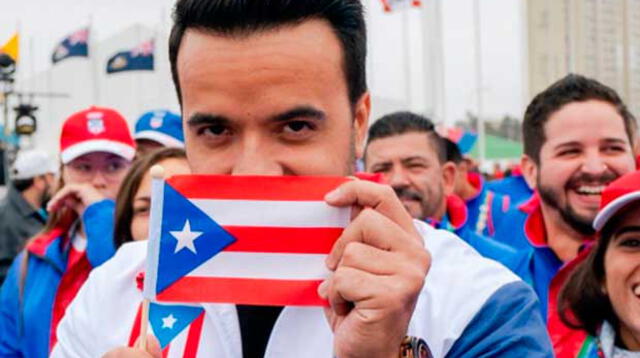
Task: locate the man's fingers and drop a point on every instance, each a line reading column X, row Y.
column 379, row 197
column 370, row 259
column 374, row 229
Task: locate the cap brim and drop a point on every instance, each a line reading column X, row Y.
column 612, row 208
column 97, row 145
column 164, row 139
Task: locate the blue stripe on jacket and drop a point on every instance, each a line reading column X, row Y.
column 509, row 324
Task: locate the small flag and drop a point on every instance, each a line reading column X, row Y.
column 74, row 45
column 394, row 5
column 464, row 139
column 168, row 321
column 138, row 59
column 241, row 239
column 11, row 47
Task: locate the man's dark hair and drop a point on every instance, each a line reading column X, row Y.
column 571, row 88
column 453, row 151
column 22, row 184
column 244, row 17
column 398, row 123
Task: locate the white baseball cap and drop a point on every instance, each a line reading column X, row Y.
column 31, row 163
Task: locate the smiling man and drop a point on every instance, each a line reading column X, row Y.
column 577, row 139
column 278, row 88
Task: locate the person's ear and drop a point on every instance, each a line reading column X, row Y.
column 449, row 172
column 361, row 122
column 529, row 170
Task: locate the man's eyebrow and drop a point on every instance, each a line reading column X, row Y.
column 299, row 112
column 205, row 118
column 614, row 141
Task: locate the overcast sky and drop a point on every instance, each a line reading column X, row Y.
column 43, row 23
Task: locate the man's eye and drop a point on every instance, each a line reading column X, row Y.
column 297, row 126
column 214, row 130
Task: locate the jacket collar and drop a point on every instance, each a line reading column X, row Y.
column 455, row 217
column 477, row 181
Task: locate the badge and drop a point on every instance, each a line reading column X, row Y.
column 95, row 123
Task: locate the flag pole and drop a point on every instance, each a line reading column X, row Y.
column 144, row 324
column 157, row 172
column 479, row 80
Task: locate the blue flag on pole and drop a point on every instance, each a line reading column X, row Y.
column 74, row 45
column 138, row 59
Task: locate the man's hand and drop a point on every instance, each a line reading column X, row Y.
column 379, row 266
column 152, row 351
column 76, row 197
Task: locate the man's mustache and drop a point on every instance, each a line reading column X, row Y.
column 586, row 178
column 406, row 193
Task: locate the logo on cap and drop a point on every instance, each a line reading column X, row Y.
column 95, row 123
column 156, row 122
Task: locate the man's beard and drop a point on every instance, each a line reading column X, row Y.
column 579, row 223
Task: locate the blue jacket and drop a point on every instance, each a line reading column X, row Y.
column 456, row 221
column 523, row 229
column 486, row 209
column 27, row 323
column 514, row 186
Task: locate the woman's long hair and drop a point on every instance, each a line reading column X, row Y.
column 583, row 303
column 129, row 189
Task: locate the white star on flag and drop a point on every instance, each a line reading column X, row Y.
column 169, row 321
column 185, row 238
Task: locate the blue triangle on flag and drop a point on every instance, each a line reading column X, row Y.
column 181, row 215
column 167, row 321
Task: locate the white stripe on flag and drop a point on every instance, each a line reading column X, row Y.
column 263, row 266
column 267, row 213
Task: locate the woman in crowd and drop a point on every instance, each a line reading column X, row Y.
column 602, row 297
column 96, row 149
column 112, row 293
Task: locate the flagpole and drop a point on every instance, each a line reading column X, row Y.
column 479, row 80
column 93, row 66
column 407, row 57
column 427, row 62
column 144, row 325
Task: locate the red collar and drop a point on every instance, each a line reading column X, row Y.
column 534, row 228
column 456, row 211
column 476, row 181
column 40, row 244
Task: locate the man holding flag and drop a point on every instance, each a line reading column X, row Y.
column 279, row 89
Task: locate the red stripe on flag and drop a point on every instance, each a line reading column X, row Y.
column 283, row 240
column 193, row 338
column 244, row 291
column 282, row 188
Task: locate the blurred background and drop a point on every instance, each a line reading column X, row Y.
column 470, row 65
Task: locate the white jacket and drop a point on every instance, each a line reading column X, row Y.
column 469, row 306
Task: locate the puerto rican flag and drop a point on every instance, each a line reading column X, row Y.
column 241, row 239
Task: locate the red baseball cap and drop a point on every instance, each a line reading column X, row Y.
column 616, row 196
column 96, row 129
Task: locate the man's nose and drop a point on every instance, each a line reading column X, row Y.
column 255, row 159
column 398, row 178
column 594, row 164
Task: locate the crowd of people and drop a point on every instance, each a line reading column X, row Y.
column 436, row 261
